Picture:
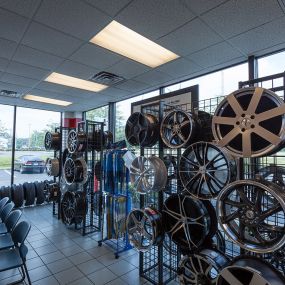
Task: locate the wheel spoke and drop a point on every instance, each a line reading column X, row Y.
column 235, row 105
column 255, row 99
column 267, row 135
column 272, row 211
column 277, row 111
column 228, row 137
column 246, row 144
column 224, row 120
column 231, row 217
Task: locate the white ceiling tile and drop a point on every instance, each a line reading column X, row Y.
column 179, row 67
column 12, row 26
column 95, row 56
column 260, row 38
column 214, row 55
column 51, row 41
column 235, row 17
column 3, row 63
column 153, row 77
column 25, row 8
column 132, row 85
column 15, row 79
column 153, row 19
column 128, row 68
column 7, row 48
column 190, row 38
column 37, row 58
column 115, row 92
column 73, row 17
column 110, row 7
column 13, row 87
column 52, row 87
column 199, row 7
column 76, row 69
column 26, row 70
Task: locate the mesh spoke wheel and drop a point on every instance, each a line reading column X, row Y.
column 148, row 174
column 250, row 122
column 252, row 215
column 205, row 170
column 187, row 221
column 52, row 141
column 248, row 270
column 144, row 228
column 142, row 130
column 178, row 128
column 202, row 268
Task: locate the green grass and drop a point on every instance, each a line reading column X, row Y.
column 5, row 162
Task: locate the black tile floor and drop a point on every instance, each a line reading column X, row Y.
column 58, row 255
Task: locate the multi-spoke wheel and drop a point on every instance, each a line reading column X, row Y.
column 52, row 191
column 172, row 186
column 148, row 174
column 273, row 173
column 76, row 141
column 205, row 170
column 52, row 141
column 250, row 122
column 144, row 228
column 178, row 128
column 187, row 221
column 75, row 171
column 142, row 130
column 249, row 270
column 73, row 207
column 252, row 215
column 202, row 268
column 52, row 166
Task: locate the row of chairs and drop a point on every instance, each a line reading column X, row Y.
column 13, row 233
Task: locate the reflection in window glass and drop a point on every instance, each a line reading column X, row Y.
column 99, row 115
column 30, row 155
column 272, row 64
column 123, row 111
column 6, row 138
column 216, row 84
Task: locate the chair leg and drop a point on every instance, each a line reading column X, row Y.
column 27, row 273
column 21, row 280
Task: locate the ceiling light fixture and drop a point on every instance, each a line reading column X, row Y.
column 74, row 82
column 46, row 100
column 122, row 40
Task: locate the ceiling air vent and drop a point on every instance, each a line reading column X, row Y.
column 106, row 78
column 9, row 93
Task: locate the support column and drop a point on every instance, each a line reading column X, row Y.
column 71, row 119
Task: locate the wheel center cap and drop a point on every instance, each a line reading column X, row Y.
column 250, row 214
column 202, row 169
column 176, row 128
column 245, row 123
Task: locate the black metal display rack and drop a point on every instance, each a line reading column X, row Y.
column 159, row 264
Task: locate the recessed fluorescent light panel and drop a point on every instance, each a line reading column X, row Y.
column 122, row 40
column 46, row 100
column 74, row 82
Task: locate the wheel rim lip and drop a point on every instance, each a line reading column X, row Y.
column 72, row 141
column 243, row 92
column 230, row 168
column 167, row 117
column 227, row 230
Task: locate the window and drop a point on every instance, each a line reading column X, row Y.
column 6, row 140
column 272, row 64
column 99, row 115
column 30, row 155
column 123, row 111
column 215, row 84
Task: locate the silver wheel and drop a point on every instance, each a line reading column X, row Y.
column 205, row 170
column 202, row 268
column 75, row 171
column 72, row 141
column 144, row 228
column 52, row 141
column 252, row 215
column 250, row 122
column 148, row 174
column 52, row 166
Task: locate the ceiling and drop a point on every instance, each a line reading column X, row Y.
column 38, row 37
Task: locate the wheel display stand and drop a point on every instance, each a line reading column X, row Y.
column 117, row 202
column 159, row 265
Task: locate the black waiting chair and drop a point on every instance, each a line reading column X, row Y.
column 11, row 222
column 6, row 211
column 3, row 202
column 16, row 257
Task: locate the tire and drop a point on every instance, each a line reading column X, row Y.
column 29, row 193
column 5, row 191
column 39, row 188
column 17, row 193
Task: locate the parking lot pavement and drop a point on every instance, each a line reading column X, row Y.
column 5, row 177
